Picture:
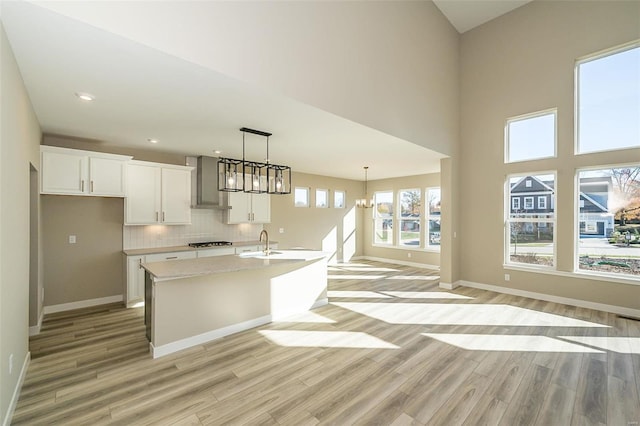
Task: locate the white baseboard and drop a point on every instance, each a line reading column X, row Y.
column 397, row 262
column 16, row 391
column 169, row 348
column 449, row 286
column 620, row 310
column 35, row 329
column 82, row 304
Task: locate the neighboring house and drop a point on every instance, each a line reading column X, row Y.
column 532, row 197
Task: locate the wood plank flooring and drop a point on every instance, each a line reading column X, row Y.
column 391, row 348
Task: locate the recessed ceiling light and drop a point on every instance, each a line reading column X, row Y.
column 151, row 140
column 217, row 151
column 85, row 96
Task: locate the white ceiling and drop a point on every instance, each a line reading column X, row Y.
column 465, row 15
column 144, row 93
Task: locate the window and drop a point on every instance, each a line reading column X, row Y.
column 338, row 199
column 410, row 200
column 528, row 203
column 301, row 197
column 531, row 136
column 433, row 216
column 542, row 203
column 530, row 235
column 322, row 198
column 608, row 215
column 608, row 100
column 383, row 217
column 515, row 203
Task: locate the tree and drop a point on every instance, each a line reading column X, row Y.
column 626, row 182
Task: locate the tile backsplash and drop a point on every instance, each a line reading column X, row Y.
column 206, row 225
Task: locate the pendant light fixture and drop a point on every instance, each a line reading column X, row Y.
column 253, row 176
column 365, row 202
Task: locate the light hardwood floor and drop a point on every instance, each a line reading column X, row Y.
column 390, row 348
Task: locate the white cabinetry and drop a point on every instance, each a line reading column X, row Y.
column 248, row 208
column 75, row 172
column 157, row 194
column 135, row 272
column 218, row 251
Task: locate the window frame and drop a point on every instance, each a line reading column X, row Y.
column 400, row 220
column 508, row 263
column 542, row 206
column 295, row 191
column 535, row 114
column 336, row 205
column 513, row 205
column 525, row 203
column 615, row 277
column 392, row 240
column 427, row 217
column 326, row 198
column 576, row 101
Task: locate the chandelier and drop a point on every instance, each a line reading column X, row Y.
column 253, row 176
column 365, row 202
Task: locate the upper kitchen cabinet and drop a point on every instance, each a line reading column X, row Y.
column 248, row 208
column 75, row 172
column 157, row 194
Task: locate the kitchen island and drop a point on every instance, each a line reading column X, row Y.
column 192, row 301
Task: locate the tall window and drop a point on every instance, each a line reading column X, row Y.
column 531, row 136
column 609, row 220
column 410, row 201
column 383, row 217
column 433, row 217
column 608, row 100
column 530, row 234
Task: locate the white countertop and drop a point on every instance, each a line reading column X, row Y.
column 155, row 250
column 176, row 269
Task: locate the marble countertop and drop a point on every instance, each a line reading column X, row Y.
column 176, row 269
column 155, row 250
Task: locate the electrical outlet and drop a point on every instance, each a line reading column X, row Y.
column 507, row 277
column 281, row 230
column 409, row 255
column 10, row 364
column 72, row 239
column 455, row 234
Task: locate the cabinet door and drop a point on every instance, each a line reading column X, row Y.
column 142, row 205
column 261, row 208
column 135, row 280
column 240, row 203
column 176, row 196
column 63, row 173
column 106, row 177
column 161, row 257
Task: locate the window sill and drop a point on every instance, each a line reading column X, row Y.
column 575, row 274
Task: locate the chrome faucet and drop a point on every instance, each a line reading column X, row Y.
column 264, row 232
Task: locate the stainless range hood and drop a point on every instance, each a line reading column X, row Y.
column 204, row 183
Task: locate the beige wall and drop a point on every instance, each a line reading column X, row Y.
column 318, row 228
column 519, row 63
column 19, row 140
column 431, row 257
column 390, row 65
column 91, row 268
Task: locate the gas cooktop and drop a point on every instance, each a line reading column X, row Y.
column 210, row 244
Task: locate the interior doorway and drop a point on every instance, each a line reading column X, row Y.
column 36, row 293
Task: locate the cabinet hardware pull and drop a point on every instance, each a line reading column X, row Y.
column 82, row 186
column 91, row 186
column 163, row 216
column 156, row 216
column 139, row 263
column 172, row 257
column 249, row 216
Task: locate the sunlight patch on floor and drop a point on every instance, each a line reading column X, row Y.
column 425, row 295
column 307, row 317
column 355, row 277
column 365, row 294
column 623, row 345
column 326, row 339
column 488, row 342
column 415, row 277
column 461, row 314
column 365, row 269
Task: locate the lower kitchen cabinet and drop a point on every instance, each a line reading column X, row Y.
column 134, row 291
